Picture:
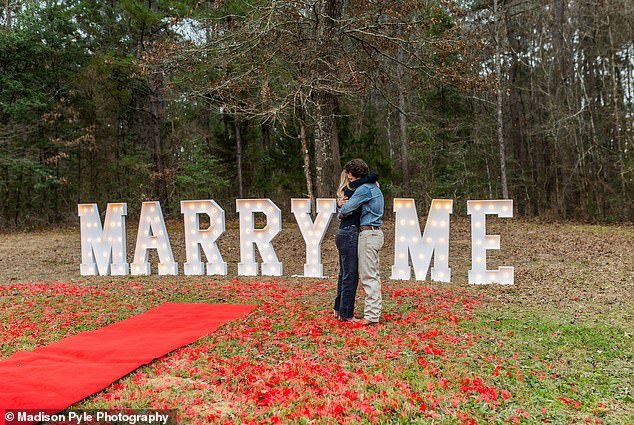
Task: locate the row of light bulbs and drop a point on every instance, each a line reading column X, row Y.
column 154, row 235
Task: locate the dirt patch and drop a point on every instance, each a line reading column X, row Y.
column 581, row 269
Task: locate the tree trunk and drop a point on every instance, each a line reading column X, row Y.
column 117, row 158
column 334, row 144
column 326, row 172
column 306, row 155
column 589, row 82
column 93, row 192
column 516, row 131
column 157, row 117
column 7, row 15
column 238, row 134
column 18, row 195
column 402, row 121
column 79, row 175
column 388, row 129
column 265, row 129
column 617, row 98
column 57, row 215
column 402, row 124
column 499, row 116
column 558, row 87
column 327, row 161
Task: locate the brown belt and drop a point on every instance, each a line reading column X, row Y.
column 370, row 228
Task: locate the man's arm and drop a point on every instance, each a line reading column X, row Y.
column 361, row 195
column 372, row 177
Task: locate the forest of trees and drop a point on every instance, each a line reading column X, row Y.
column 168, row 100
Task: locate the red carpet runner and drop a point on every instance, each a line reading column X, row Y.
column 59, row 375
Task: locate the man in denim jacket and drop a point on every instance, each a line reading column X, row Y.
column 369, row 198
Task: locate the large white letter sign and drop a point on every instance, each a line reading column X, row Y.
column 153, row 235
column 480, row 242
column 250, row 236
column 205, row 238
column 313, row 232
column 104, row 246
column 435, row 240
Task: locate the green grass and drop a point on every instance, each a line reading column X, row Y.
column 590, row 362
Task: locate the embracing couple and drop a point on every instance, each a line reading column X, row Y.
column 359, row 240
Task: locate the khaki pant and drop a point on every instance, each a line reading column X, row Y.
column 370, row 243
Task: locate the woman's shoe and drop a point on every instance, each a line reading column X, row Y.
column 336, row 313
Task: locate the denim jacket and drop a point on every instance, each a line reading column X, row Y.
column 370, row 198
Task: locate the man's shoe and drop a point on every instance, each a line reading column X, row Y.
column 366, row 322
column 349, row 319
column 336, row 314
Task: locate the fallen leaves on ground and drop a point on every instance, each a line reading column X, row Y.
column 290, row 361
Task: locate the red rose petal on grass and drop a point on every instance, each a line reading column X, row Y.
column 571, row 402
column 291, row 361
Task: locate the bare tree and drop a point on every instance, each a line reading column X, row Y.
column 316, row 56
column 499, row 103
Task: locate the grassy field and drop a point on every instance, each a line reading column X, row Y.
column 554, row 348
